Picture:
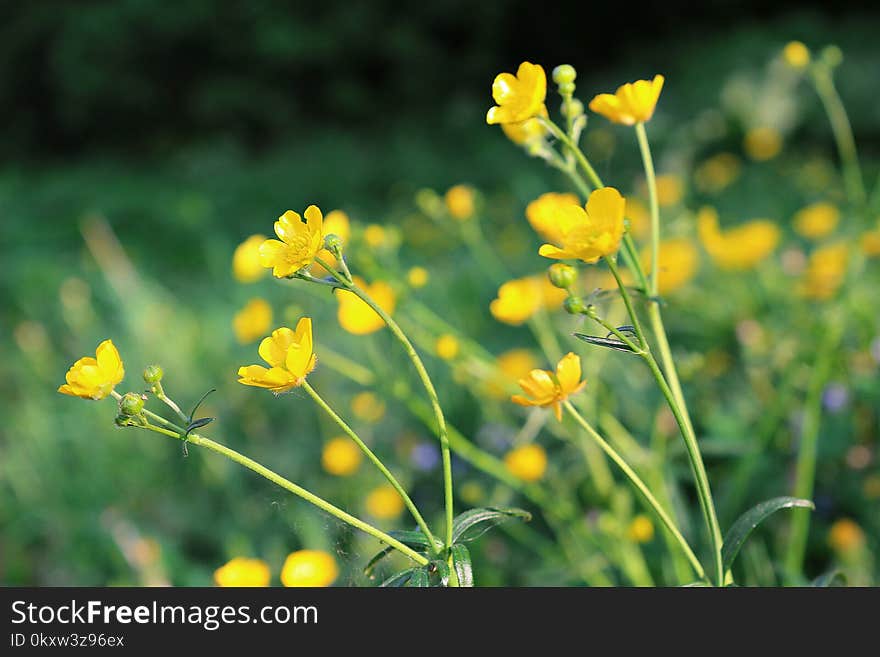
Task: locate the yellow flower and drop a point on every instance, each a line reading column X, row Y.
column 738, row 248
column 870, row 243
column 762, row 143
column 368, row 407
column 417, row 277
column 592, row 233
column 290, row 356
column 460, row 202
column 242, row 572
column 542, row 214
column 641, row 529
column 670, row 189
column 447, row 346
column 796, row 54
column 246, row 265
column 95, row 378
column 335, row 223
column 528, row 462
column 528, row 131
column 384, row 502
column 545, row 388
column 512, row 365
column 309, row 568
column 519, row 97
column 718, row 172
column 519, row 299
column 341, row 457
column 845, row 536
column 252, row 321
column 632, row 102
column 826, row 270
column 817, row 220
column 300, row 242
column 355, row 316
column 679, row 261
column 375, row 235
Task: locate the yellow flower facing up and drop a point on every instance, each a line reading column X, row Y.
column 341, row 457
column 460, row 202
column 95, row 378
column 290, row 356
column 519, row 97
column 335, row 223
column 384, row 503
column 528, row 462
column 546, row 388
column 300, row 242
column 796, row 54
column 542, row 214
column 355, row 316
column 242, row 572
column 826, row 271
column 679, row 261
column 528, row 131
column 632, row 103
column 252, row 321
column 518, row 300
column 738, row 248
column 592, row 233
column 246, row 265
column 762, row 143
column 309, row 568
column 641, row 529
column 817, row 220
column 368, row 407
column 447, row 346
column 417, row 277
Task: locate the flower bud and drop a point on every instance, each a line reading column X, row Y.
column 573, row 108
column 575, row 306
column 832, row 56
column 561, row 275
column 564, row 74
column 131, row 404
column 333, row 243
column 153, row 373
column 566, row 88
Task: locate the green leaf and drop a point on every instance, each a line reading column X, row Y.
column 472, row 517
column 831, row 578
column 399, row 579
column 413, row 539
column 461, row 561
column 419, row 579
column 747, row 522
column 368, row 569
column 440, row 572
column 611, row 343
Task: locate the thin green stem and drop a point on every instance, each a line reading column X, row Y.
column 648, row 163
column 579, row 156
column 637, row 324
column 160, row 395
column 410, row 505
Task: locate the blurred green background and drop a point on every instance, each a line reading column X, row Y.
column 143, row 141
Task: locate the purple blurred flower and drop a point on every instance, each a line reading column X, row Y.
column 425, row 456
column 835, row 397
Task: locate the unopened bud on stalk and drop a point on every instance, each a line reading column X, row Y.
column 333, row 243
column 575, row 306
column 573, row 109
column 131, row 404
column 153, row 374
column 564, row 74
column 561, row 275
column 832, row 56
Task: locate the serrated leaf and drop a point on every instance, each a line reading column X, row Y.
column 828, row 579
column 472, row 517
column 461, row 561
column 611, row 343
column 419, row 579
column 399, row 579
column 746, row 523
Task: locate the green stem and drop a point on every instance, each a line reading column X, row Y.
column 637, row 324
column 640, row 486
column 579, row 156
column 648, row 163
column 160, row 395
column 420, row 521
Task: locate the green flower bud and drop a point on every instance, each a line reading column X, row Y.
column 573, row 109
column 832, row 56
column 153, row 373
column 124, row 421
column 561, row 275
column 564, row 74
column 566, row 88
column 575, row 306
column 333, row 243
column 131, row 404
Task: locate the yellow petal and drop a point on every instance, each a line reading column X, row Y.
column 606, row 205
column 109, row 362
column 504, row 87
column 273, row 349
column 550, row 251
column 288, row 226
column 568, row 372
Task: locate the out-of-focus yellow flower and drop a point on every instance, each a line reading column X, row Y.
column 762, row 143
column 447, row 346
column 641, row 529
column 368, row 407
column 355, row 316
column 242, row 572
column 290, row 356
column 679, row 260
column 471, row 493
column 252, row 321
column 817, row 220
column 632, row 102
column 519, row 97
column 871, row 487
column 309, row 568
column 639, row 218
column 512, row 365
column 826, row 270
column 717, row 172
column 796, row 54
column 375, row 235
column 300, row 242
column 670, row 189
column 246, row 265
column 870, row 243
column 335, row 223
column 528, row 131
column 546, row 388
column 341, row 457
column 543, row 214
column 528, row 462
column 737, row 248
column 845, row 536
column 460, row 202
column 592, row 233
column 95, row 378
column 384, row 502
column 519, row 299
column 417, row 277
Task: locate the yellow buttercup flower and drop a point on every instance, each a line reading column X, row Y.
column 368, row 407
column 460, row 202
column 384, row 502
column 817, row 220
column 545, row 388
column 447, row 347
column 300, row 242
column 242, row 572
column 417, row 277
column 737, row 248
column 309, row 568
column 592, row 233
column 519, row 97
column 512, row 365
column 679, row 261
column 845, row 536
column 826, row 270
column 341, row 457
column 870, row 243
column 762, row 143
column 717, row 172
column 641, row 529
column 355, row 316
column 290, row 356
column 375, row 235
column 335, row 223
column 542, row 214
column 670, row 189
column 95, row 378
column 528, row 462
column 252, row 321
column 528, row 131
column 518, row 300
column 246, row 265
column 796, row 54
column 632, row 102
